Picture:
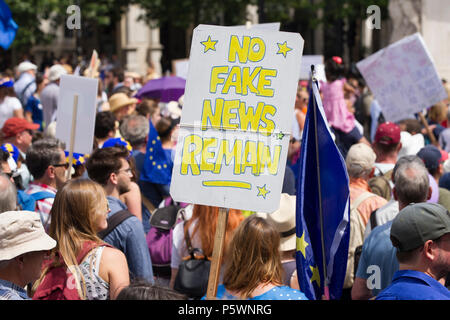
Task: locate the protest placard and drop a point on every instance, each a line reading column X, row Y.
column 181, row 66
column 305, row 69
column 403, row 78
column 237, row 116
column 85, row 91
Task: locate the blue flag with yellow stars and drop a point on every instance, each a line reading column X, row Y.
column 8, row 28
column 322, row 239
column 158, row 163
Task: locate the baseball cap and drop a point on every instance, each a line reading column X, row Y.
column 431, row 156
column 56, row 71
column 360, row 155
column 14, row 125
column 25, row 66
column 22, row 232
column 284, row 221
column 418, row 223
column 387, row 133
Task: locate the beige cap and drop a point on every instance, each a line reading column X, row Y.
column 25, row 66
column 360, row 156
column 119, row 100
column 284, row 221
column 22, row 232
column 56, row 71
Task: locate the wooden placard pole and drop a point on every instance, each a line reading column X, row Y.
column 72, row 135
column 219, row 242
column 427, row 128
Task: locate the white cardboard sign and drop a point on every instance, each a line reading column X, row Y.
column 305, row 69
column 237, row 116
column 86, row 89
column 403, row 78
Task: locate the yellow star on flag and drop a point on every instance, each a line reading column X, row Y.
column 302, row 244
column 283, row 48
column 262, row 191
column 315, row 276
column 209, row 44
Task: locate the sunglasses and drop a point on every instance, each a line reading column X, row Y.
column 65, row 165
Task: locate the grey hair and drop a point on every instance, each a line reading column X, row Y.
column 135, row 129
column 8, row 194
column 411, row 180
column 43, row 153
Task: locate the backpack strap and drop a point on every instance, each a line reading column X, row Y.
column 361, row 198
column 150, row 207
column 187, row 238
column 87, row 247
column 42, row 195
column 373, row 219
column 114, row 221
column 23, row 93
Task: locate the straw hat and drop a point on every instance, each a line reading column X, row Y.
column 119, row 100
column 22, row 232
column 284, row 221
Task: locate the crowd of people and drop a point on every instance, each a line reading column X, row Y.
column 84, row 234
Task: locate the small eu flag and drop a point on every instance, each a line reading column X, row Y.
column 158, row 163
column 323, row 208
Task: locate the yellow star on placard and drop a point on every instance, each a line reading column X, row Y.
column 302, row 244
column 209, row 44
column 262, row 191
column 315, row 276
column 283, row 48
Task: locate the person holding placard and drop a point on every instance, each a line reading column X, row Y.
column 201, row 228
column 253, row 268
column 50, row 94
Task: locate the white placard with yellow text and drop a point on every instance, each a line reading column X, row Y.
column 237, row 116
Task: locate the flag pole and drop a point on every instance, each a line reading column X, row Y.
column 313, row 80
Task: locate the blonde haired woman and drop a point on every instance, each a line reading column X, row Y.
column 253, row 268
column 79, row 212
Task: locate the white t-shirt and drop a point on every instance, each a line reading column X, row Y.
column 7, row 108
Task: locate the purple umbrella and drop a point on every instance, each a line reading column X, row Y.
column 166, row 89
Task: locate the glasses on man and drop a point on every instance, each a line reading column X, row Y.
column 65, row 165
column 128, row 171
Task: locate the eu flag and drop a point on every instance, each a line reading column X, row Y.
column 8, row 27
column 322, row 215
column 158, row 163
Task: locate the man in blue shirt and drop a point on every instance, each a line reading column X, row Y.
column 110, row 168
column 421, row 235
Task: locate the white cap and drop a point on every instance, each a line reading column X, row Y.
column 25, row 66
column 56, row 71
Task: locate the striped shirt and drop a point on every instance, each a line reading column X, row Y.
column 10, row 291
column 43, row 206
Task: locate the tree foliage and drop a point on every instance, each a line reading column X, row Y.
column 30, row 14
